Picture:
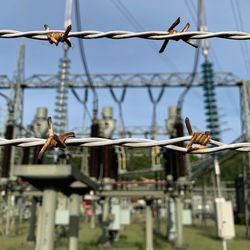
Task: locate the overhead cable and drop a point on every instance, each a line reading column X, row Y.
column 132, row 20
column 240, row 26
column 83, row 102
column 84, row 59
column 195, row 64
column 119, row 102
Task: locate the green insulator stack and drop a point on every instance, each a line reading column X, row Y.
column 210, row 100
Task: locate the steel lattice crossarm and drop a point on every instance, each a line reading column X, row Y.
column 131, row 80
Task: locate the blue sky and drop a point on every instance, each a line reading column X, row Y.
column 126, row 56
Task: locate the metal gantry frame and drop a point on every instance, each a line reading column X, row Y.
column 115, row 80
column 119, row 80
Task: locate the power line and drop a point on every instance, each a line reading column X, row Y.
column 192, row 9
column 195, row 64
column 84, row 60
column 83, row 102
column 119, row 102
column 239, row 26
column 155, row 101
column 132, row 20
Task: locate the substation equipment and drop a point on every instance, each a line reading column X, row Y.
column 100, row 167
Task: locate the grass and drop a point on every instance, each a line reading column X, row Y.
column 204, row 237
column 132, row 237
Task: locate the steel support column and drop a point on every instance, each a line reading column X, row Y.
column 149, row 226
column 48, row 220
column 74, row 221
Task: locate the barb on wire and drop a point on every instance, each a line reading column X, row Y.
column 194, row 138
column 171, row 30
column 197, row 138
column 54, row 140
column 118, row 34
column 57, row 37
column 132, row 142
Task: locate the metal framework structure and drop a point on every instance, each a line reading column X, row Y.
column 119, row 80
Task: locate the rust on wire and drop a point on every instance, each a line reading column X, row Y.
column 56, row 37
column 202, row 138
column 134, row 142
column 54, row 140
column 172, row 31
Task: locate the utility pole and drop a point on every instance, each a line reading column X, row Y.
column 176, row 168
column 74, row 221
column 245, row 117
column 211, row 110
column 149, row 225
column 15, row 113
column 208, row 80
column 19, row 78
column 15, row 107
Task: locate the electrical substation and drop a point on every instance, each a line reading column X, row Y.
column 114, row 184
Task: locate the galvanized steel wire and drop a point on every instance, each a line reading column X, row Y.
column 132, row 142
column 118, row 34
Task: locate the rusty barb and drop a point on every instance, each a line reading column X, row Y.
column 54, row 140
column 56, row 37
column 172, row 31
column 197, row 138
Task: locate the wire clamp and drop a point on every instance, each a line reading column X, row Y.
column 54, row 140
column 56, row 37
column 172, row 31
column 202, row 138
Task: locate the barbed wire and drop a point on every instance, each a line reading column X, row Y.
column 133, row 142
column 118, row 34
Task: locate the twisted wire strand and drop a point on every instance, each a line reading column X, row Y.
column 132, row 142
column 153, row 35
